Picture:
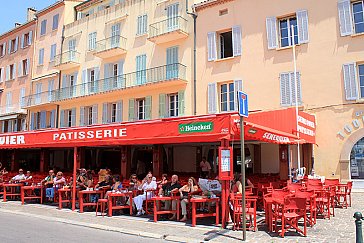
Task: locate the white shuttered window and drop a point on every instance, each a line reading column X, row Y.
column 350, row 84
column 288, row 88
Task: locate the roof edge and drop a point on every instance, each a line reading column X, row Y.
column 209, row 3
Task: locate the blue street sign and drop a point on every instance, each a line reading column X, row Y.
column 243, row 104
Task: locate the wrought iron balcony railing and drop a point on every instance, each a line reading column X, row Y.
column 169, row 72
column 67, row 57
column 38, row 98
column 111, row 43
column 168, row 25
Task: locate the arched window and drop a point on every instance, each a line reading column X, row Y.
column 357, row 160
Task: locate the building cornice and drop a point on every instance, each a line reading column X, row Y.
column 17, row 29
column 209, row 3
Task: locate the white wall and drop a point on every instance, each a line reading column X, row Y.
column 270, row 158
column 184, row 159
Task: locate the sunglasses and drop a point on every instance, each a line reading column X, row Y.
column 133, row 178
column 150, row 177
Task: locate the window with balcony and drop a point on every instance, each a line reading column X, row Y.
column 43, row 27
column 38, row 93
column 141, row 72
column 288, row 88
column 224, row 44
column 142, row 25
column 2, row 49
column 279, row 30
column 55, row 22
column 92, row 41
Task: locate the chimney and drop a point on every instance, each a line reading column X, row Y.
column 31, row 14
column 17, row 25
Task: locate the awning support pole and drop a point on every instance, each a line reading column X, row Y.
column 74, row 178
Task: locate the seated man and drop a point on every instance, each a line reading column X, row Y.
column 19, row 177
column 167, row 191
column 147, row 184
column 82, row 181
column 28, row 179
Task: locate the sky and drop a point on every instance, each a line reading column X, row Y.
column 16, row 11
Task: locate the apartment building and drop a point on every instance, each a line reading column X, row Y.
column 45, row 77
column 16, row 56
column 253, row 51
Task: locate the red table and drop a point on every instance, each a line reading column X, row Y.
column 162, row 198
column 12, row 187
column 66, row 192
column 122, row 194
column 32, row 195
column 84, row 192
column 195, row 201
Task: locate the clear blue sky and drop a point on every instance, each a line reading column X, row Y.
column 12, row 11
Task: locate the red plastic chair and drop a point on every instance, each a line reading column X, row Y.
column 250, row 211
column 311, row 207
column 289, row 213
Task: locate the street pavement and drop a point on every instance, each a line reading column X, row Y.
column 21, row 228
column 340, row 228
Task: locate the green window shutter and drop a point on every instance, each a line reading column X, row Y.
column 162, row 106
column 95, row 114
column 73, row 117
column 105, row 113
column 148, row 107
column 119, row 111
column 131, row 109
column 82, row 116
column 61, row 119
column 181, row 103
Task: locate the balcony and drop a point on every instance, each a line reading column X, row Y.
column 168, row 30
column 111, row 47
column 11, row 110
column 38, row 99
column 172, row 73
column 67, row 60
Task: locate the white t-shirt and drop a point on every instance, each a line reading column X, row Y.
column 18, row 177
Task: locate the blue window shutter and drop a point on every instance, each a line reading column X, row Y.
column 22, row 41
column 53, row 118
column 16, row 43
column 119, row 111
column 9, row 47
column 43, row 116
column 73, row 117
column 31, row 124
column 30, row 38
column 105, row 109
column 61, row 119
column 181, row 103
column 95, row 114
column 302, row 26
column 272, row 38
column 148, row 107
column 131, row 109
column 212, row 98
column 107, row 82
column 121, row 81
column 238, row 86
column 350, row 82
column 345, row 17
column 236, row 40
column 82, row 116
column 162, row 105
column 97, row 79
column 211, row 46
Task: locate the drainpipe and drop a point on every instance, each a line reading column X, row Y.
column 194, row 16
column 59, row 79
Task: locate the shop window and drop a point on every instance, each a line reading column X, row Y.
column 357, row 160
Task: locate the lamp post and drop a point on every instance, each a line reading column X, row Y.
column 296, row 97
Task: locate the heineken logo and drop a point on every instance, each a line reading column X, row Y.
column 196, row 127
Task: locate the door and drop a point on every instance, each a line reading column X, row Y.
column 115, row 35
column 72, row 50
column 141, row 66
column 172, row 63
column 38, row 90
column 172, row 17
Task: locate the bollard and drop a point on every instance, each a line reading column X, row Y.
column 359, row 233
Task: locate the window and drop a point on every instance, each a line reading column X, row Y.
column 288, row 88
column 285, row 30
column 88, row 116
column 357, row 160
column 55, row 22
column 13, row 45
column 43, row 27
column 115, row 35
column 140, row 109
column 26, row 39
column 227, row 97
column 2, row 49
column 224, row 44
column 223, row 12
column 113, row 112
column 69, row 118
column 53, row 52
column 38, row 93
column 361, row 79
column 279, row 32
column 92, row 41
column 141, row 66
column 92, row 80
column 12, row 71
column 41, row 57
column 358, row 16
column 9, row 101
column 172, row 17
column 142, row 25
column 115, row 75
column 173, row 105
column 71, row 85
column 24, row 67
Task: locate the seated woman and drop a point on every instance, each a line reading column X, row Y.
column 134, row 183
column 147, row 184
column 237, row 187
column 28, row 179
column 116, row 187
column 184, row 191
column 162, row 182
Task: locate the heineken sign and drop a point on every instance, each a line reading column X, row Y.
column 196, row 127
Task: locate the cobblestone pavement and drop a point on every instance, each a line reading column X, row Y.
column 340, row 228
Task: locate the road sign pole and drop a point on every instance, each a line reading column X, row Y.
column 242, row 156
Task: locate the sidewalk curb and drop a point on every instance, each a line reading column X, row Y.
column 102, row 227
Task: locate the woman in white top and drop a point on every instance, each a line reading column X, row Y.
column 147, row 184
